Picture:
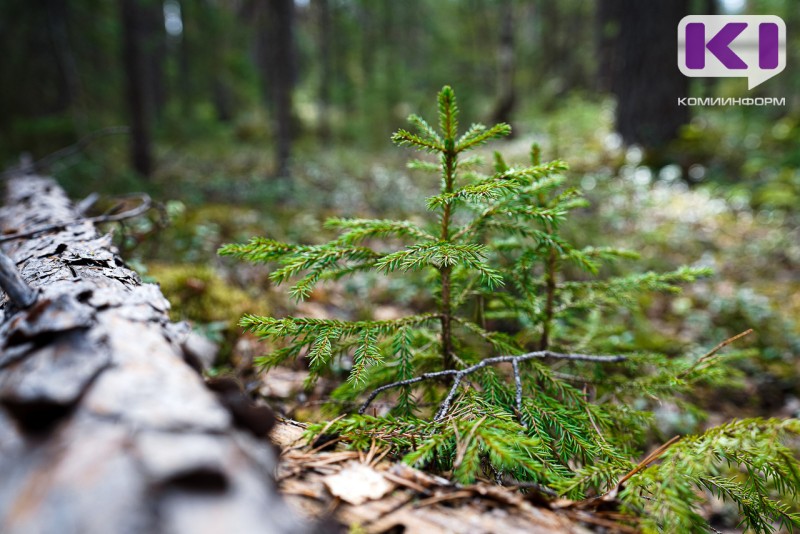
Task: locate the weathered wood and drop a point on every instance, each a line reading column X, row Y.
column 104, row 428
column 21, row 294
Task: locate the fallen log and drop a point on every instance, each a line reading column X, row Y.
column 104, row 427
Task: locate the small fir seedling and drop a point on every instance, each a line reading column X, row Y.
column 471, row 386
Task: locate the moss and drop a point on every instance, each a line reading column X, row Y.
column 199, row 294
column 202, row 296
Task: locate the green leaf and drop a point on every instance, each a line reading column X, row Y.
column 422, row 165
column 294, row 326
column 448, row 114
column 500, row 165
column 425, row 129
column 322, row 348
column 360, row 229
column 440, row 255
column 258, row 250
column 401, row 349
column 406, row 138
column 478, row 192
column 478, row 135
column 367, row 354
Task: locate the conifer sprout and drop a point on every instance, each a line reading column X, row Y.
column 499, row 380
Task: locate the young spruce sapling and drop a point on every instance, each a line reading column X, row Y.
column 471, row 384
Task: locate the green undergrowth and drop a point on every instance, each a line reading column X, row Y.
column 201, row 295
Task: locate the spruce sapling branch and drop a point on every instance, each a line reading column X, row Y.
column 458, row 375
column 448, row 111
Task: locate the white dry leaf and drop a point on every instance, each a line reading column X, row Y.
column 357, row 483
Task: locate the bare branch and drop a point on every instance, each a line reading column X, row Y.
column 445, row 406
column 517, row 386
column 458, row 375
column 144, row 204
column 408, row 382
column 700, row 363
column 19, row 292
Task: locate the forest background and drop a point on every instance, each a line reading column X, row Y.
column 247, row 117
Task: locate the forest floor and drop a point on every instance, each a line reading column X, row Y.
column 752, row 246
column 366, row 492
column 756, row 285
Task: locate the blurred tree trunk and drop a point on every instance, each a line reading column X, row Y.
column 608, row 18
column 57, row 14
column 155, row 48
column 638, row 48
column 137, row 84
column 223, row 104
column 344, row 54
column 368, row 46
column 322, row 10
column 213, row 20
column 184, row 66
column 275, row 30
column 506, row 94
column 556, row 39
column 391, row 56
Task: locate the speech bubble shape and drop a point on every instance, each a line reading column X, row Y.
column 732, row 46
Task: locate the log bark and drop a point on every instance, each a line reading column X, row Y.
column 104, row 427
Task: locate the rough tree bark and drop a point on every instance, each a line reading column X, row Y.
column 103, row 425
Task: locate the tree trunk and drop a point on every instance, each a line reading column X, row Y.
column 322, row 10
column 138, row 94
column 58, row 15
column 103, row 425
column 506, row 93
column 185, row 85
column 639, row 49
column 275, row 33
column 155, row 45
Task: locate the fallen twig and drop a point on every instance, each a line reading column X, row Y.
column 614, row 524
column 144, row 205
column 707, row 356
column 646, row 461
column 391, row 477
column 17, row 289
column 460, row 494
column 458, row 375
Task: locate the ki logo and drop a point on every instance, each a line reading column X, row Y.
column 726, row 46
